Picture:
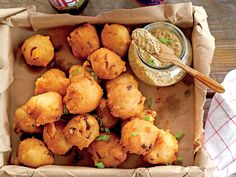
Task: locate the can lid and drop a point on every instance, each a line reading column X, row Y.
column 152, row 2
column 66, row 4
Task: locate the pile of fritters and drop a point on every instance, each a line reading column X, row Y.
column 98, row 95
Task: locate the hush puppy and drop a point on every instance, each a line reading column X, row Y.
column 52, row 80
column 116, row 38
column 55, row 139
column 23, row 122
column 125, row 101
column 123, row 79
column 147, row 114
column 83, row 41
column 164, row 150
column 83, row 96
column 109, row 152
column 106, row 64
column 33, row 153
column 44, row 108
column 104, row 114
column 78, row 72
column 38, row 50
column 81, row 130
column 124, row 98
column 138, row 136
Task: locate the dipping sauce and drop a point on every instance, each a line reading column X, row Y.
column 168, row 38
column 152, row 71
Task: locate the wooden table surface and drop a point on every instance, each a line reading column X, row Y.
column 221, row 19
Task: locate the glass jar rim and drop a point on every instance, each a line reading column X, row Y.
column 174, row 29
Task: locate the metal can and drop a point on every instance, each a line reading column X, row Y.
column 69, row 6
column 152, row 2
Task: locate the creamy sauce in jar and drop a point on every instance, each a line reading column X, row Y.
column 166, row 37
column 152, row 71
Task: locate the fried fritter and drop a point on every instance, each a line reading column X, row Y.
column 116, row 38
column 138, row 136
column 38, row 50
column 44, row 108
column 164, row 150
column 123, row 79
column 52, row 80
column 147, row 114
column 83, row 96
column 124, row 98
column 23, row 122
column 83, row 41
column 125, row 101
column 81, row 130
column 33, row 153
column 109, row 152
column 55, row 139
column 63, row 57
column 104, row 114
column 106, row 64
column 78, row 72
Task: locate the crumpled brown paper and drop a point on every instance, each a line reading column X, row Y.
column 184, row 15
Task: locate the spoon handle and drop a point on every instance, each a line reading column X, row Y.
column 201, row 77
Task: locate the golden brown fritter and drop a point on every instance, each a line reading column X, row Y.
column 63, row 57
column 52, row 80
column 106, row 64
column 78, row 72
column 147, row 114
column 138, row 136
column 124, row 98
column 125, row 101
column 33, row 153
column 55, row 139
column 81, row 130
column 38, row 50
column 23, row 122
column 109, row 152
column 104, row 114
column 83, row 96
column 83, row 41
column 44, row 108
column 164, row 150
column 116, row 38
column 123, row 79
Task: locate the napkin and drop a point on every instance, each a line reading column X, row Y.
column 220, row 128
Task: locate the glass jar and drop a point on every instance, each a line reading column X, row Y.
column 73, row 7
column 158, row 73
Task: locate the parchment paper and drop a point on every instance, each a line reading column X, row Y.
column 179, row 107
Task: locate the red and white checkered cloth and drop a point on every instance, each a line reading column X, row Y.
column 220, row 128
